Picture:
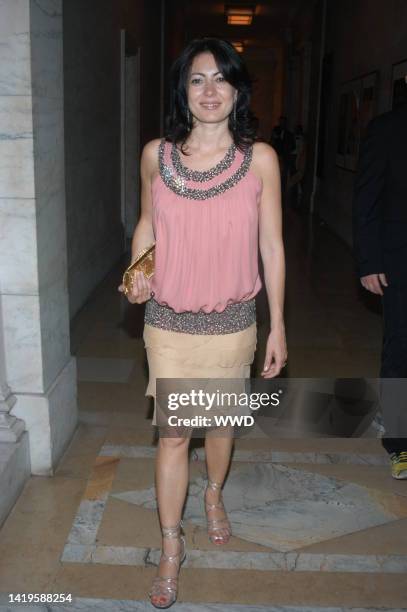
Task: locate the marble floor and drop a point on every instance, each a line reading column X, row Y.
column 318, row 522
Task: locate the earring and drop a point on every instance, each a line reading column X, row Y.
column 188, row 119
column 234, row 113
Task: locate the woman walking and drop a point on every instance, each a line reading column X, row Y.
column 210, row 199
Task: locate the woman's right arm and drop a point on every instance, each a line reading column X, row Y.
column 143, row 235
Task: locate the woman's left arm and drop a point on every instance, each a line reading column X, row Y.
column 272, row 254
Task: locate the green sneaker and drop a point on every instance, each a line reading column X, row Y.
column 399, row 465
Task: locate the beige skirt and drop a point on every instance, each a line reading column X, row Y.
column 180, row 355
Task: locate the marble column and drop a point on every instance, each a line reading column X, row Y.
column 14, row 442
column 41, row 373
column 11, row 428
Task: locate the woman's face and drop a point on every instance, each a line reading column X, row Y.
column 210, row 96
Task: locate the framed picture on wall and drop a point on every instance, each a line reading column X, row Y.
column 348, row 104
column 357, row 105
column 368, row 101
column 399, row 85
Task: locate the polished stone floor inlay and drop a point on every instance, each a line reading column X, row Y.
column 282, row 507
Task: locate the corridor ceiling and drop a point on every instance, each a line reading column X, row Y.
column 271, row 22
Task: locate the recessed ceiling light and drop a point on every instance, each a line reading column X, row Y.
column 239, row 15
column 238, row 45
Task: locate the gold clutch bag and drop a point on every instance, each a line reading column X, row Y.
column 143, row 263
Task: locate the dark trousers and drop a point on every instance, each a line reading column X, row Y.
column 394, row 366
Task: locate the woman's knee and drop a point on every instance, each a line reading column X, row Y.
column 175, row 443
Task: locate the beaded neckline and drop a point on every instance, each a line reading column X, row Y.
column 200, row 176
column 177, row 182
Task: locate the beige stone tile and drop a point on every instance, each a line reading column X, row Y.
column 116, row 404
column 29, row 576
column 112, row 397
column 103, row 581
column 134, row 473
column 388, row 539
column 237, row 586
column 308, row 588
column 76, row 466
column 125, row 524
column 50, row 498
column 138, row 381
column 78, row 459
column 87, row 439
column 131, row 436
column 34, row 534
column 80, row 328
column 141, row 421
column 101, row 478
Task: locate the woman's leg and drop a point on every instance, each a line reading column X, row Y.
column 171, row 482
column 171, row 478
column 218, row 448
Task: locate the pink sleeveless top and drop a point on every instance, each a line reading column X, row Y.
column 206, row 253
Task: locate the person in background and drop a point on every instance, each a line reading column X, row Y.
column 283, row 142
column 295, row 180
column 380, row 244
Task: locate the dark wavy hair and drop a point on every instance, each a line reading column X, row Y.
column 230, row 64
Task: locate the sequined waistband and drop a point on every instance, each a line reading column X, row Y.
column 235, row 317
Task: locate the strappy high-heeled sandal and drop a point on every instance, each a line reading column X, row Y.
column 166, row 587
column 216, row 524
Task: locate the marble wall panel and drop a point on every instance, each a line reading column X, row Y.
column 15, row 70
column 36, row 336
column 22, row 342
column 63, row 410
column 15, row 117
column 51, row 239
column 16, row 168
column 46, row 48
column 49, row 161
column 54, row 330
column 18, row 252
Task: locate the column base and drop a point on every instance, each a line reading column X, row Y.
column 14, row 472
column 50, row 419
